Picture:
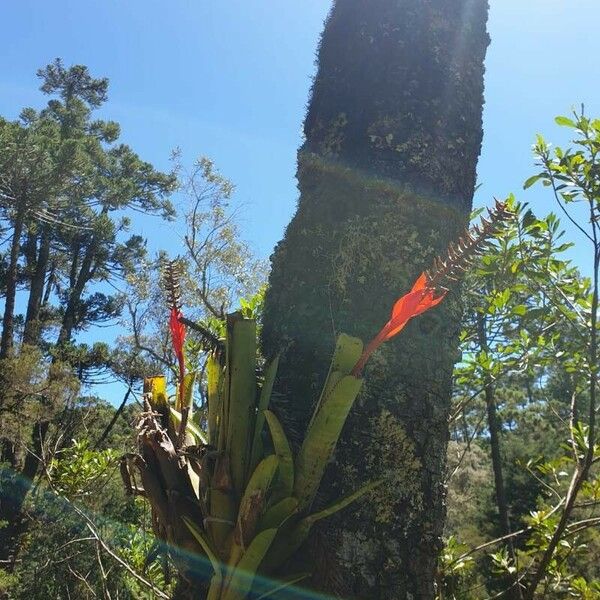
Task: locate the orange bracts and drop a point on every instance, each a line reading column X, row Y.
column 421, row 297
column 178, row 336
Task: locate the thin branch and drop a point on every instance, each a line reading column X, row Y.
column 504, row 538
column 119, row 410
column 561, row 205
column 90, row 525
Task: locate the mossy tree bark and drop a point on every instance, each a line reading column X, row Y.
column 386, row 178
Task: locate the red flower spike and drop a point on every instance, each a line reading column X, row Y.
column 421, row 297
column 178, row 336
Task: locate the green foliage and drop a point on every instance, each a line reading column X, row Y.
column 217, row 271
column 68, row 191
column 35, row 390
column 78, row 470
column 60, row 556
column 252, row 307
column 455, row 569
column 540, row 319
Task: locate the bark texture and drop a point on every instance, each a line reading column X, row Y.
column 386, row 179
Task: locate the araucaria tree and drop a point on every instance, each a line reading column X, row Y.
column 65, row 187
column 386, row 178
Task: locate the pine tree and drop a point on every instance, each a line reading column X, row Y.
column 386, row 178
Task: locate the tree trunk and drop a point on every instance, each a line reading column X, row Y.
column 386, row 179
column 49, row 285
column 494, row 430
column 514, row 590
column 83, row 276
column 6, row 342
column 32, row 331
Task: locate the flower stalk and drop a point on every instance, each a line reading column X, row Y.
column 431, row 286
column 176, row 327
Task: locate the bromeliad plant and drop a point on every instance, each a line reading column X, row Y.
column 230, row 488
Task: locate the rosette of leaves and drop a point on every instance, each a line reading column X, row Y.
column 230, row 488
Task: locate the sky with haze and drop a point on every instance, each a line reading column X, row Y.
column 230, row 79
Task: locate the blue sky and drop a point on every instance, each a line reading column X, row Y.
column 230, row 79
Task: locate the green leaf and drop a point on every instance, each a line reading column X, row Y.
column 253, row 503
column 533, row 179
column 214, row 376
column 188, row 386
column 284, row 583
column 347, row 351
column 292, row 535
column 243, row 575
column 342, row 503
column 278, row 514
column 288, row 540
column 346, row 354
column 321, row 438
column 285, row 479
column 565, row 122
column 206, row 546
column 519, row 310
column 191, row 427
column 157, row 388
column 241, row 364
column 263, row 404
column 260, row 481
column 223, row 513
